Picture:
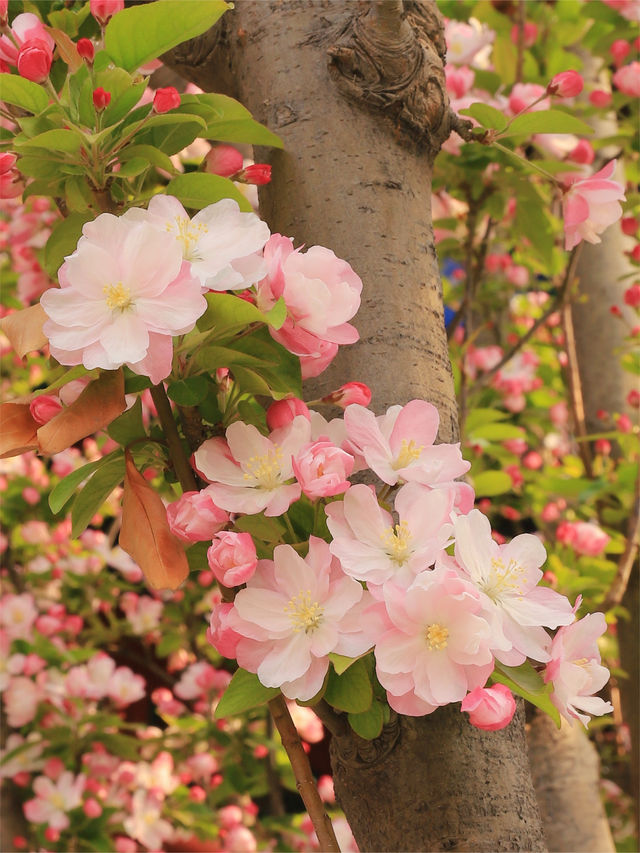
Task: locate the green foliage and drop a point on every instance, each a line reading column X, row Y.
column 244, row 693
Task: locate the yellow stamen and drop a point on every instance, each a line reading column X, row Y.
column 505, row 580
column 306, row 615
column 266, row 469
column 188, row 233
column 409, row 452
column 437, row 636
column 118, row 296
column 397, row 541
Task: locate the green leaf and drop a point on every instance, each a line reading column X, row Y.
column 267, row 529
column 189, row 392
column 490, row 483
column 243, row 693
column 547, row 121
column 487, row 116
column 369, row 723
column 351, row 691
column 128, row 426
column 63, row 240
column 133, row 167
column 120, row 106
column 497, row 432
column 504, row 58
column 77, row 194
column 197, row 190
column 228, row 313
column 243, row 130
column 152, row 155
column 479, row 417
column 341, row 663
column 23, row 93
column 526, row 682
column 60, row 139
column 63, row 492
column 170, row 132
column 140, row 33
column 95, row 493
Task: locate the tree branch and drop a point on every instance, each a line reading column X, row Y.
column 628, row 558
column 183, row 469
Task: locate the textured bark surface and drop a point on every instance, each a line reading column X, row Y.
column 355, row 176
column 571, row 809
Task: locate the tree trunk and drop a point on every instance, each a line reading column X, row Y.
column 356, row 91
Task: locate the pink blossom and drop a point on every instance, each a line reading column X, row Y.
column 466, row 40
column 576, row 671
column 321, row 293
column 27, row 757
column 45, row 407
column 220, row 242
column 17, row 615
column 627, row 79
column 144, row 822
column 600, row 98
column 21, row 700
column 530, row 33
column 194, row 517
column 125, row 687
column 220, row 633
column 518, row 374
column 372, row 548
column 459, row 80
column 629, row 9
column 437, row 646
column 103, row 10
column 619, row 50
column 250, row 472
column 232, row 558
column 590, row 205
column 282, row 412
column 524, row 96
column 322, row 469
column 489, row 708
column 308, row 725
column 240, row 839
column 293, row 613
column 506, row 577
column 124, row 293
column 583, row 153
column 399, row 446
column 146, row 616
column 584, row 537
column 54, row 799
column 34, row 60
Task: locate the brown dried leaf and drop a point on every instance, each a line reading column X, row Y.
column 100, row 403
column 17, row 429
column 24, row 329
column 66, row 47
column 145, row 533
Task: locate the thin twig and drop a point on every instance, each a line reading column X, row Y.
column 628, row 558
column 183, row 469
column 304, row 777
column 332, row 721
column 520, row 41
column 576, row 398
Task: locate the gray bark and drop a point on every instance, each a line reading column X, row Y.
column 357, row 94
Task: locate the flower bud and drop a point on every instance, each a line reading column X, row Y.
column 489, row 708
column 257, row 174
column 86, row 50
column 4, row 13
column 166, row 99
column 7, row 162
column 529, row 33
column 629, row 224
column 44, row 408
column 223, row 160
column 92, row 808
column 619, row 50
column 566, row 84
column 195, row 518
column 600, row 98
column 232, row 557
column 351, row 392
column 282, row 412
column 102, row 10
column 101, row 99
column 633, row 398
column 583, row 153
column 34, row 60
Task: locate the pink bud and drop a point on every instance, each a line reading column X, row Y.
column 634, row 254
column 615, row 311
column 92, row 808
column 197, row 794
column 282, row 412
column 53, row 767
column 31, row 495
column 619, row 50
column 51, row 834
column 102, row 10
column 166, row 99
column 223, row 160
column 260, row 751
column 632, row 295
column 530, row 33
column 232, row 557
column 44, row 408
column 34, row 60
column 101, row 98
column 19, row 842
column 602, row 446
column 7, row 162
column 351, row 392
column 257, row 174
column 566, row 84
column 600, row 98
column 633, row 398
column 86, row 50
column 583, row 153
column 532, row 460
column 322, row 469
column 4, row 20
column 124, row 844
column 623, row 423
column 195, row 518
column 629, row 225
column 489, row 708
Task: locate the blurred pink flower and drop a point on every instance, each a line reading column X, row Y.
column 627, row 79
column 54, row 799
column 590, row 205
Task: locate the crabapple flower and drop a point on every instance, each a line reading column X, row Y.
column 293, row 613
column 165, row 99
column 566, row 84
column 627, row 79
column 17, row 615
column 34, row 60
column 322, row 469
column 223, row 160
column 124, row 293
column 576, row 671
column 125, row 687
column 372, row 548
column 399, row 447
column 465, row 40
column 232, row 557
column 220, row 242
column 506, row 577
column 590, row 205
column 489, row 708
column 525, row 96
column 194, row 517
column 584, row 537
column 144, row 822
column 25, row 27
column 321, row 293
column 346, row 395
column 21, row 700
column 103, row 10
column 54, row 799
column 282, row 412
column 437, row 646
column 250, row 472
